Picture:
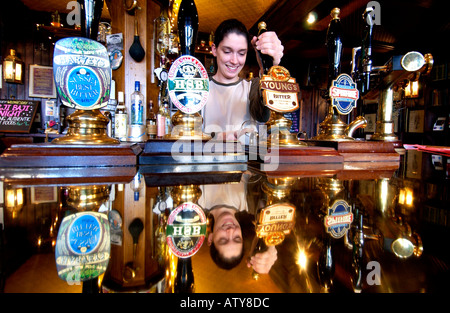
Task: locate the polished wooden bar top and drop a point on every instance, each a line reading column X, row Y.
column 395, row 242
column 182, row 151
column 53, row 155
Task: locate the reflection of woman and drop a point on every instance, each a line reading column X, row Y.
column 231, row 226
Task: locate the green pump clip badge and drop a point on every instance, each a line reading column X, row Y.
column 188, row 84
column 186, row 229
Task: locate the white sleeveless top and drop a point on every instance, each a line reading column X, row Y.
column 227, row 106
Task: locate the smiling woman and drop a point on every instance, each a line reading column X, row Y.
column 232, row 100
column 231, row 55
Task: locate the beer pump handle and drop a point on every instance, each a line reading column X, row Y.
column 366, row 50
column 334, row 46
column 187, row 27
column 265, row 59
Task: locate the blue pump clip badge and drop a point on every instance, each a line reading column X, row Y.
column 83, row 246
column 82, row 73
column 344, row 94
column 188, row 84
column 339, row 218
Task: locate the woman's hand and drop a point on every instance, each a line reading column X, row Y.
column 225, row 136
column 262, row 262
column 268, row 43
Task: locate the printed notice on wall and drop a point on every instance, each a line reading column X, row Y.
column 17, row 115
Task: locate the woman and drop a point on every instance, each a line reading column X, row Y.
column 233, row 100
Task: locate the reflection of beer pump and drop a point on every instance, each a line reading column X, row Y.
column 185, row 232
column 355, row 239
column 84, row 238
column 397, row 235
column 389, row 230
column 397, row 71
column 341, row 94
column 87, row 197
column 276, row 220
column 277, row 189
column 338, row 216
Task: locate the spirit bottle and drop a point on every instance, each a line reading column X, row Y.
column 121, row 119
column 137, row 131
column 167, row 118
column 137, row 116
column 151, row 122
column 111, row 107
column 161, row 119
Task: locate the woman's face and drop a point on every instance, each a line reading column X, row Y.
column 231, row 55
column 227, row 234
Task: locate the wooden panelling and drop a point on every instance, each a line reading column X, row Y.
column 130, row 70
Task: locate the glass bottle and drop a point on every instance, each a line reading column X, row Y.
column 161, row 120
column 187, row 26
column 137, row 116
column 151, row 121
column 136, row 185
column 137, row 127
column 111, row 107
column 121, row 119
column 167, row 118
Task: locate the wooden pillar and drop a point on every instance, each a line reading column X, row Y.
column 130, row 70
column 125, row 77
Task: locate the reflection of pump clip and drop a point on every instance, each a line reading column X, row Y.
column 179, row 219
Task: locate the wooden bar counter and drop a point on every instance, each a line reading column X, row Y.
column 388, row 200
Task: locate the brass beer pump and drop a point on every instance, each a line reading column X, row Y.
column 278, row 126
column 81, row 86
column 395, row 73
column 399, row 70
column 333, row 128
column 187, row 123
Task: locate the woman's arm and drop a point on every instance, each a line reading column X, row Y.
column 258, row 110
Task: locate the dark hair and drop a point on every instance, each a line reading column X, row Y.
column 230, row 26
column 222, row 262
